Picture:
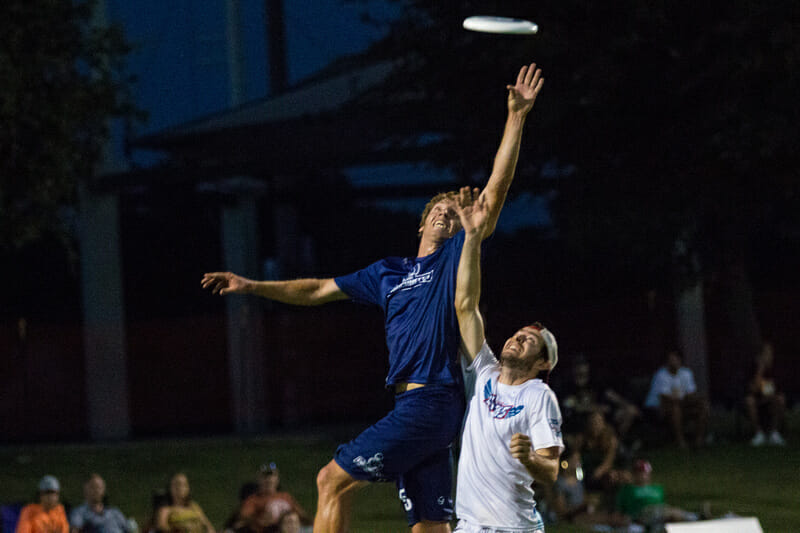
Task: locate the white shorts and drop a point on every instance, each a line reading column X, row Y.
column 466, row 527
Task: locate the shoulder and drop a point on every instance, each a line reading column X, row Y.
column 30, row 510
column 79, row 510
column 661, row 374
column 483, row 359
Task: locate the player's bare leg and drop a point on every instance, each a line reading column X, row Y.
column 431, row 527
column 335, row 488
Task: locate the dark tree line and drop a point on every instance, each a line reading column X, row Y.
column 675, row 125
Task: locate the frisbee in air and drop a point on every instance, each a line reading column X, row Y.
column 500, row 25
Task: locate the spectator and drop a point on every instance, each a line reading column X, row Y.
column 762, row 394
column 48, row 515
column 582, row 396
column 596, row 451
column 94, row 516
column 643, row 501
column 289, row 522
column 181, row 514
column 674, row 398
column 264, row 509
column 569, row 502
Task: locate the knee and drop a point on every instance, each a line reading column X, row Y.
column 326, row 481
column 332, row 481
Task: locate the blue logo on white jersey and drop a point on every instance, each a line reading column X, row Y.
column 498, row 409
column 413, row 279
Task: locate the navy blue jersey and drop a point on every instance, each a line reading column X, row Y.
column 417, row 296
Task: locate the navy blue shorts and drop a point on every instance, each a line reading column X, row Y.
column 411, row 446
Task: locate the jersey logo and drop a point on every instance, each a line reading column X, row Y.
column 555, row 426
column 373, row 465
column 498, row 409
column 413, row 279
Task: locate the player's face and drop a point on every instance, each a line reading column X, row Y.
column 268, row 482
column 442, row 221
column 95, row 489
column 522, row 350
column 179, row 488
column 49, row 499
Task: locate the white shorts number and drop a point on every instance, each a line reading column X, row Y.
column 407, row 505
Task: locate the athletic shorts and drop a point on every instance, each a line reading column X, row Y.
column 468, row 527
column 411, row 446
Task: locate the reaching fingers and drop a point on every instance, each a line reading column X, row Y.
column 521, row 76
column 216, row 281
column 532, row 72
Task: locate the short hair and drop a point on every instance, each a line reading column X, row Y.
column 450, row 195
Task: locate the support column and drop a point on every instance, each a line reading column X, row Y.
column 106, row 372
column 244, row 317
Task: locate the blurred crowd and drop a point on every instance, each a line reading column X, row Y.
column 263, row 508
column 605, row 482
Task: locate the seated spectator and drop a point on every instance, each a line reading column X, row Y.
column 289, row 522
column 581, row 396
column 762, row 394
column 674, row 399
column 94, row 516
column 596, row 451
column 569, row 503
column 46, row 516
column 181, row 514
column 643, row 502
column 264, row 509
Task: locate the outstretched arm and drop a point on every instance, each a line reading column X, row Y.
column 473, row 212
column 521, row 97
column 296, row 291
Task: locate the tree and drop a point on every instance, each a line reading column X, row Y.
column 62, row 80
column 678, row 121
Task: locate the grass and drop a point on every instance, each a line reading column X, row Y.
column 763, row 482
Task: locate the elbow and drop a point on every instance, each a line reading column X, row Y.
column 551, row 476
column 465, row 312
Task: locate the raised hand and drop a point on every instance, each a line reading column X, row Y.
column 225, row 283
column 473, row 211
column 520, row 448
column 522, row 95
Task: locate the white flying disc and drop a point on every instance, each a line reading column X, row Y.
column 500, row 25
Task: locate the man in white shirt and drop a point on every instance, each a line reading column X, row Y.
column 512, row 431
column 673, row 395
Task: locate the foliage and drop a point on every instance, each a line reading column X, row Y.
column 679, row 121
column 62, row 79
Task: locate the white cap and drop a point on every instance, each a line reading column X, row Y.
column 49, row 483
column 552, row 347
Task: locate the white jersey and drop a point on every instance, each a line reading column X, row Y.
column 493, row 488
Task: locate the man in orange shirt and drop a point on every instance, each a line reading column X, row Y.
column 48, row 515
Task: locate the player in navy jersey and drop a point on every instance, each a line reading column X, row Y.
column 411, row 445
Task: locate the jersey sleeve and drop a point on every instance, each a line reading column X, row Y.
column 659, row 386
column 691, row 386
column 546, row 423
column 484, row 361
column 24, row 522
column 363, row 285
column 76, row 518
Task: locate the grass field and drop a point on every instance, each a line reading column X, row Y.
column 762, row 482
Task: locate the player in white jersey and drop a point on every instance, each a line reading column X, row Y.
column 512, row 431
